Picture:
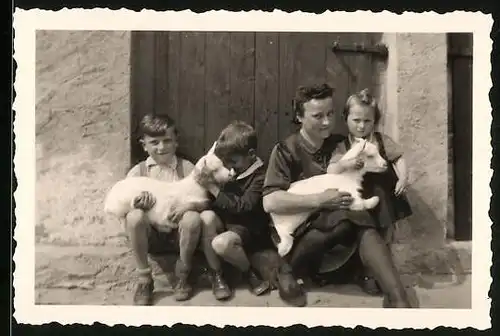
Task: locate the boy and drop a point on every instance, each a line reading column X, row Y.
column 237, row 209
column 159, row 140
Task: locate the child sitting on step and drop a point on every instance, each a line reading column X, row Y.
column 361, row 114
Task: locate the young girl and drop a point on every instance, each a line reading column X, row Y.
column 361, row 114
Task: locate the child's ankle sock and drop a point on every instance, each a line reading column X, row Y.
column 144, row 274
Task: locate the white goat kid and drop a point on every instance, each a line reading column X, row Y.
column 191, row 190
column 348, row 181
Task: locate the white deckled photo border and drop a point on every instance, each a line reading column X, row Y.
column 26, row 22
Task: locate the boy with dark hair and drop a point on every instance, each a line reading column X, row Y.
column 237, row 210
column 159, row 140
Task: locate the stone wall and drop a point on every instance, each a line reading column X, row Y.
column 417, row 117
column 82, row 132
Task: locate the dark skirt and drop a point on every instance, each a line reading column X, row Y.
column 326, row 221
column 391, row 208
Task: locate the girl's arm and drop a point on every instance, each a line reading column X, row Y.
column 401, row 169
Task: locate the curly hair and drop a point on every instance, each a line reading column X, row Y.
column 362, row 98
column 307, row 93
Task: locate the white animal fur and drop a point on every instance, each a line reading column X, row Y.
column 348, row 181
column 168, row 195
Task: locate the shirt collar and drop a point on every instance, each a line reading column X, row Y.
column 151, row 162
column 256, row 165
column 308, row 143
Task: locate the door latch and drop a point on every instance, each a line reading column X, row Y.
column 378, row 49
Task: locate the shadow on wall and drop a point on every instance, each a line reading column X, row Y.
column 423, row 227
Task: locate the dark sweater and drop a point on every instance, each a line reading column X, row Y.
column 240, row 202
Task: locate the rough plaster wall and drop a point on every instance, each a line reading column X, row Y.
column 82, row 132
column 422, row 127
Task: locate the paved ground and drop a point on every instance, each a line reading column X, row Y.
column 458, row 297
column 77, row 276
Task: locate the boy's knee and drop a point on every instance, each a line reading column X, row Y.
column 190, row 222
column 210, row 221
column 208, row 217
column 135, row 219
column 224, row 243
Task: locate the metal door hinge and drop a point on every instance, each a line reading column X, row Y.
column 378, row 49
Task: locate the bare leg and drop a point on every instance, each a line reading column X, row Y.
column 377, row 258
column 210, row 228
column 189, row 236
column 138, row 231
column 211, row 225
column 228, row 245
column 382, row 211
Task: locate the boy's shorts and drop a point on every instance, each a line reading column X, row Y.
column 161, row 242
column 251, row 242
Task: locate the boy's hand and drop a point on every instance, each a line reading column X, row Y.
column 401, row 187
column 145, row 201
column 177, row 212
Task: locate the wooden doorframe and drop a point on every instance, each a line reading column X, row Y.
column 460, row 67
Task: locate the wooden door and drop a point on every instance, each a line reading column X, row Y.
column 203, row 80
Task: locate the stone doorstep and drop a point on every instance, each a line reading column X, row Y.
column 453, row 257
column 433, row 262
column 406, row 260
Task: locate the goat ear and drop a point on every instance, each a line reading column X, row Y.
column 204, row 167
column 212, row 149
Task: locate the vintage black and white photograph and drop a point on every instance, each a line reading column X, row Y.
column 255, row 168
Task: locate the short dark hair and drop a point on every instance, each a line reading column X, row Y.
column 238, row 138
column 155, row 125
column 307, row 93
column 363, row 98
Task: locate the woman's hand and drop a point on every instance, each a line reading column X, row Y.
column 145, row 201
column 332, row 199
